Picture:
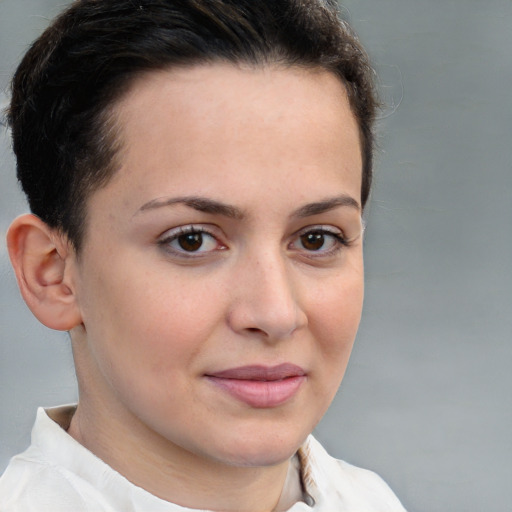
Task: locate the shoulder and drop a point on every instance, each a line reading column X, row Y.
column 44, row 478
column 29, row 484
column 335, row 483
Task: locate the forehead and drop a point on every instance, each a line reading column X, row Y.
column 204, row 125
column 239, row 95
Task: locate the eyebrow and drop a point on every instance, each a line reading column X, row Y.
column 201, row 204
column 206, row 205
column 326, row 205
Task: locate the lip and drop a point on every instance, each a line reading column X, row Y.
column 260, row 386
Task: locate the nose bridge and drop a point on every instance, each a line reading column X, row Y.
column 267, row 301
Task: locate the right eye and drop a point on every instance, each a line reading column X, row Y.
column 190, row 240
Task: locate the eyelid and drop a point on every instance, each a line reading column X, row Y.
column 173, row 234
column 334, row 247
column 185, row 229
column 326, row 229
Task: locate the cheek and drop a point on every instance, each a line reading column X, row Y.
column 333, row 323
column 149, row 321
column 335, row 318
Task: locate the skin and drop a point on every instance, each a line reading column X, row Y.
column 150, row 320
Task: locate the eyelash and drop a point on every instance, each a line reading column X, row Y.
column 175, row 234
column 338, row 239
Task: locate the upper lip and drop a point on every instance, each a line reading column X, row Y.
column 260, row 372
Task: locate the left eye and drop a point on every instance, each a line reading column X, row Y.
column 318, row 240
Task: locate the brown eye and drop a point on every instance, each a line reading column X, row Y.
column 319, row 241
column 313, row 241
column 190, row 242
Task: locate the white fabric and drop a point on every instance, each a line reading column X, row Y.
column 57, row 474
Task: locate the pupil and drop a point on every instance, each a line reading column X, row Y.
column 191, row 241
column 313, row 241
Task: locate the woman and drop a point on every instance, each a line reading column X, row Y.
column 197, row 173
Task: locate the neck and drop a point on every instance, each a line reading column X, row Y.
column 169, row 471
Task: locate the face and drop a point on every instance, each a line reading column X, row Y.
column 221, row 278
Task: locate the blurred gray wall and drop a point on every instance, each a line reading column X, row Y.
column 426, row 401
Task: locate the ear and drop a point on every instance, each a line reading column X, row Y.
column 44, row 261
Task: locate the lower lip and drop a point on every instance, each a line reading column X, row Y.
column 260, row 394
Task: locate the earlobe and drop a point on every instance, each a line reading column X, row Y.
column 43, row 263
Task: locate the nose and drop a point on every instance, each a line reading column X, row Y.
column 266, row 300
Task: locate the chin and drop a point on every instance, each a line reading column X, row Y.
column 260, row 450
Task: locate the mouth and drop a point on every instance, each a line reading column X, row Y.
column 260, row 386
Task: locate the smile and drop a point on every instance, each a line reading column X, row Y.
column 260, row 386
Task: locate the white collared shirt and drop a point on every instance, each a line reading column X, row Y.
column 58, row 474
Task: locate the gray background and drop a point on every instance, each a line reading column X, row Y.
column 426, row 401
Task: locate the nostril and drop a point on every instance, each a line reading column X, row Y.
column 253, row 329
